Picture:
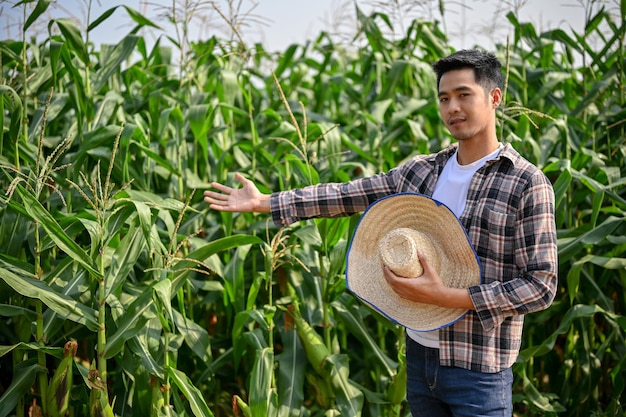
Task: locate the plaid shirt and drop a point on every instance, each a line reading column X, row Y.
column 509, row 218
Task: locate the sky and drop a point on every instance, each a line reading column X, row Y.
column 280, row 23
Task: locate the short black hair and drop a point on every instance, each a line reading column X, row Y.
column 487, row 68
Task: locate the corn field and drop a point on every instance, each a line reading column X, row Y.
column 122, row 294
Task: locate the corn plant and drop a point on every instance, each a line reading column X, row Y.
column 122, row 294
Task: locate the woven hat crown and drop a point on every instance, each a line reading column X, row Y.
column 399, row 248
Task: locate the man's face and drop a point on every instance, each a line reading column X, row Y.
column 465, row 107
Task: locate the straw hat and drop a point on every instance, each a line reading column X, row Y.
column 390, row 232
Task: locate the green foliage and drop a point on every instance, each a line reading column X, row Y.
column 178, row 310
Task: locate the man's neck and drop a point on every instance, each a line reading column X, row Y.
column 472, row 150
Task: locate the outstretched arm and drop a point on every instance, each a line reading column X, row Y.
column 248, row 198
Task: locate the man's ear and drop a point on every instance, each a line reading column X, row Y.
column 496, row 97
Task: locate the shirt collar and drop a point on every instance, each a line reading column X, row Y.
column 507, row 153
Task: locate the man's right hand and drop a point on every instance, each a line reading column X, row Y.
column 248, row 198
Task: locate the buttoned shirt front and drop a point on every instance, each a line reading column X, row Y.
column 509, row 218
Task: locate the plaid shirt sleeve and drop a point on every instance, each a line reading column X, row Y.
column 326, row 200
column 344, row 199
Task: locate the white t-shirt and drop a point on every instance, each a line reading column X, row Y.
column 451, row 189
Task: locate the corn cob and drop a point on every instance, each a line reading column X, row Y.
column 98, row 398
column 240, row 406
column 158, row 401
column 59, row 387
column 316, row 350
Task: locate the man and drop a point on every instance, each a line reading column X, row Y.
column 506, row 206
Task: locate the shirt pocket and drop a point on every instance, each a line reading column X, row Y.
column 500, row 236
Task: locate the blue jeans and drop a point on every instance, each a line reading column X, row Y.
column 443, row 391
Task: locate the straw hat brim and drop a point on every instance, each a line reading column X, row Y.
column 460, row 266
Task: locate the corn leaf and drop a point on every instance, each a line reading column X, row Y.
column 291, row 373
column 196, row 402
column 38, row 213
column 358, row 329
column 131, row 323
column 24, row 377
column 262, row 396
column 196, row 337
column 63, row 305
column 73, row 37
column 40, row 8
column 124, row 259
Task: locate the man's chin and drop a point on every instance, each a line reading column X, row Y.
column 460, row 136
